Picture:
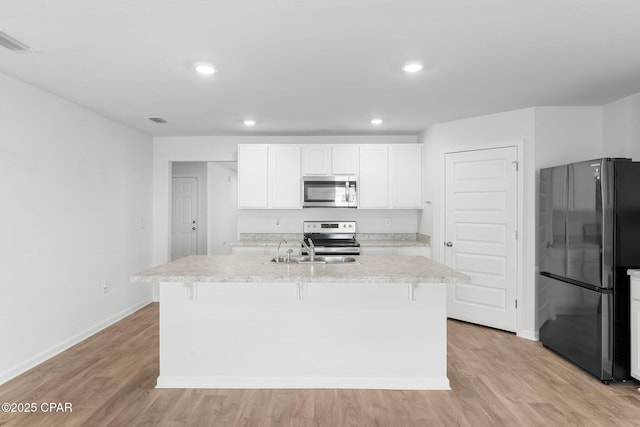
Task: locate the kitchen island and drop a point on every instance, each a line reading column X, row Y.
column 244, row 322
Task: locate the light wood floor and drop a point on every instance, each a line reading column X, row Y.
column 496, row 379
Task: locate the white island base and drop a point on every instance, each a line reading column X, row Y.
column 303, row 335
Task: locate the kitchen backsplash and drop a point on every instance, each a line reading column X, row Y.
column 290, row 221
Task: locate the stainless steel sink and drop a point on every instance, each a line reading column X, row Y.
column 319, row 259
column 336, row 259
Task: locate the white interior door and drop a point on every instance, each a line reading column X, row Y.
column 184, row 224
column 481, row 211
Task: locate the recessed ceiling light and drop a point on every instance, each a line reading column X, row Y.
column 413, row 67
column 249, row 122
column 376, row 122
column 205, row 68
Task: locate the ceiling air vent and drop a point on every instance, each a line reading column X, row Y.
column 157, row 119
column 12, row 44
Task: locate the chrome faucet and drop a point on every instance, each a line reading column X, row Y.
column 278, row 250
column 310, row 249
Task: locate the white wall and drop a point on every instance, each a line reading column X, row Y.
column 567, row 134
column 225, row 148
column 622, row 128
column 290, row 220
column 197, row 170
column 223, row 206
column 76, row 210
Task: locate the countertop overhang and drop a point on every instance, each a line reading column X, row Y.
column 254, row 268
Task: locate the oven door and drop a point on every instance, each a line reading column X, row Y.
column 334, row 250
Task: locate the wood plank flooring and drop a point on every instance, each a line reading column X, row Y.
column 497, row 379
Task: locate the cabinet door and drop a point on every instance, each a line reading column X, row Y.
column 373, row 183
column 406, row 176
column 635, row 328
column 284, row 177
column 316, row 159
column 345, row 159
column 253, row 176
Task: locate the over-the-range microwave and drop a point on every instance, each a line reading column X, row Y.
column 329, row 191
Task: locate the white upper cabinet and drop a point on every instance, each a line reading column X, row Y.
column 345, row 159
column 269, row 176
column 284, row 177
column 324, row 159
column 389, row 175
column 316, row 159
column 373, row 181
column 405, row 176
column 253, row 176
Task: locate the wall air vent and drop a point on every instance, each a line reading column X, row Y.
column 12, row 44
column 157, row 119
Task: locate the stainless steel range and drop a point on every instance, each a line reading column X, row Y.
column 331, row 237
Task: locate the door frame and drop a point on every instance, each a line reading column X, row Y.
column 519, row 144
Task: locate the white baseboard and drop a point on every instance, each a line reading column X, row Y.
column 59, row 348
column 529, row 335
column 371, row 383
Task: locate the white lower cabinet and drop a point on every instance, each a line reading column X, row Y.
column 635, row 325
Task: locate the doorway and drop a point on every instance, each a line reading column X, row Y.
column 188, row 209
column 480, row 235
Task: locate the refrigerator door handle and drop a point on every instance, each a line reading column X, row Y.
column 577, row 283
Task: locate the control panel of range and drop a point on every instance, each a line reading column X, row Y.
column 329, row 227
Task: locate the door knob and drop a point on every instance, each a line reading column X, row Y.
column 448, row 244
column 193, row 228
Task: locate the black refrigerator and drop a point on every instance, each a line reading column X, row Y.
column 588, row 236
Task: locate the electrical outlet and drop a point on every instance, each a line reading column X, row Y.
column 387, row 222
column 105, row 286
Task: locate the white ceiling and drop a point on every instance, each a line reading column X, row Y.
column 322, row 66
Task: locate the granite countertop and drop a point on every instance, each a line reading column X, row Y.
column 365, row 243
column 377, row 239
column 393, row 243
column 256, row 268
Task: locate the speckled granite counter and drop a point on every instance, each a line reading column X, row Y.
column 392, row 243
column 365, row 239
column 250, row 268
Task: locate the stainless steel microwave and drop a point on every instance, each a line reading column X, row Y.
column 329, row 191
